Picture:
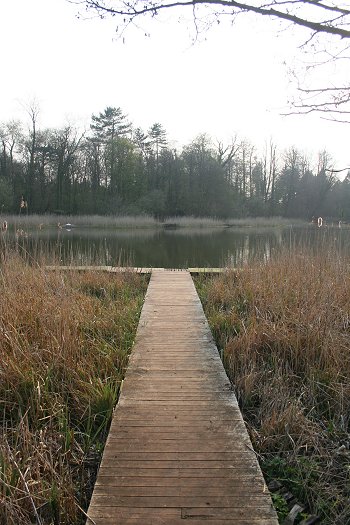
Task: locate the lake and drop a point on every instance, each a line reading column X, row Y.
column 177, row 248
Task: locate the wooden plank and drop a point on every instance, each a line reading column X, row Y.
column 234, row 492
column 115, row 460
column 157, row 516
column 194, row 446
column 171, row 425
column 178, row 448
column 153, row 519
column 183, row 473
column 178, row 502
column 134, row 481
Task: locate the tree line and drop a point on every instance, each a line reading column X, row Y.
column 117, row 168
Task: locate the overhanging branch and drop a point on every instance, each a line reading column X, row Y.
column 287, row 11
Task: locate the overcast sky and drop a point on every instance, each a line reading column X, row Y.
column 233, row 81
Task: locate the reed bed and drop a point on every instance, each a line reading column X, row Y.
column 283, row 329
column 108, row 221
column 90, row 221
column 42, row 222
column 64, row 346
column 267, row 222
column 194, row 222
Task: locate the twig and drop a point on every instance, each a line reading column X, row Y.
column 85, row 514
column 37, row 517
column 255, row 452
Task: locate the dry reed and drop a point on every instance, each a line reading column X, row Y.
column 64, row 345
column 283, row 329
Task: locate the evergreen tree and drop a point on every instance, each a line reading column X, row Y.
column 107, row 127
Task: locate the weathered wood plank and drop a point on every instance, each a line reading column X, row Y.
column 225, row 463
column 178, row 502
column 234, row 492
column 183, row 473
column 157, row 516
column 178, row 448
column 139, row 481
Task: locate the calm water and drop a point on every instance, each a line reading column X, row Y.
column 180, row 248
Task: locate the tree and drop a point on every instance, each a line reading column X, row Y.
column 107, row 127
column 157, row 138
column 66, row 143
column 226, row 157
column 288, row 183
column 157, row 143
column 269, row 173
column 343, row 198
column 208, row 191
column 321, row 18
column 110, row 123
column 33, row 112
column 141, row 140
column 325, row 177
column 10, row 137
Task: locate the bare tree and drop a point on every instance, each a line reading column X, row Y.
column 269, row 172
column 10, row 139
column 33, row 110
column 10, row 135
column 225, row 153
column 226, row 158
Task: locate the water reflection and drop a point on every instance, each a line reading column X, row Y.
column 179, row 248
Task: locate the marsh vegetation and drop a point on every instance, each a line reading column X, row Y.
column 143, row 221
column 281, row 323
column 64, row 346
column 282, row 327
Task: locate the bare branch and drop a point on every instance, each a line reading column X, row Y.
column 324, row 89
column 337, row 171
column 320, row 17
column 275, row 9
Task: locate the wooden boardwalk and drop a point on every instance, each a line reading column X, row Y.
column 178, row 450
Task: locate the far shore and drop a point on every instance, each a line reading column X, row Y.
column 141, row 221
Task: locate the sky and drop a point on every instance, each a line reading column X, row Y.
column 234, row 81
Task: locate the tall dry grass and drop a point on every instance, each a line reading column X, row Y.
column 284, row 331
column 64, row 346
column 108, row 221
column 258, row 222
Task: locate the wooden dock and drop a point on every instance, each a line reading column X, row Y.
column 178, row 449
